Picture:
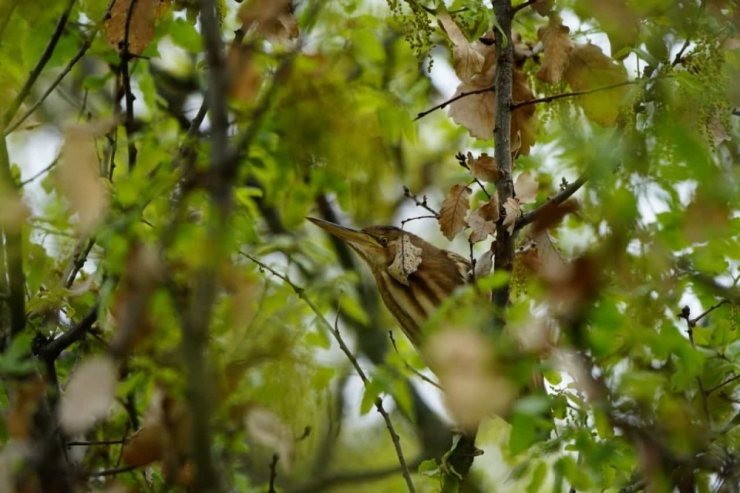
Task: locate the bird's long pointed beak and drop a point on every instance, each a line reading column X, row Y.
column 352, row 236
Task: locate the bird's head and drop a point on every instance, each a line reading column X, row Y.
column 376, row 245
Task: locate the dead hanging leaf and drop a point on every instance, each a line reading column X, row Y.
column 272, row 19
column 526, row 188
column 244, row 77
column 524, row 122
column 464, row 361
column 78, row 176
column 484, row 263
column 89, row 395
column 490, row 210
column 164, row 436
column 589, row 69
column 480, row 226
column 406, row 261
column 484, row 167
column 552, row 214
column 453, row 211
column 267, row 429
column 542, row 7
column 144, row 17
column 476, row 112
column 465, row 59
column 557, row 45
column 511, row 206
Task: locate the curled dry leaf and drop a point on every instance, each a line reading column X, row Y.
column 406, row 261
column 244, row 77
column 464, row 361
column 267, row 429
column 484, row 263
column 557, row 45
column 273, row 19
column 78, row 175
column 552, row 214
column 524, row 121
column 453, row 211
column 144, row 17
column 526, row 188
column 588, row 69
column 511, row 206
column 467, row 61
column 484, row 167
column 480, row 226
column 89, row 395
column 542, row 7
column 476, row 112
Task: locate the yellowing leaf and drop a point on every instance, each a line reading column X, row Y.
column 89, row 395
column 511, row 206
column 141, row 27
column 78, row 176
column 483, row 167
column 453, row 211
column 588, row 69
column 526, row 188
column 479, row 225
column 557, row 45
column 465, row 59
column 244, row 78
column 406, row 261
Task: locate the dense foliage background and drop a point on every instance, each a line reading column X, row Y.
column 169, row 321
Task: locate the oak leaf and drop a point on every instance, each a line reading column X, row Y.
column 524, row 122
column 406, row 261
column 465, row 59
column 143, row 20
column 244, row 78
column 526, row 188
column 589, row 69
column 483, row 167
column 511, row 206
column 454, row 208
column 557, row 46
column 480, row 226
column 484, row 263
column 274, row 19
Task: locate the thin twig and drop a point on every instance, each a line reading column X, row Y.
column 411, row 368
column 334, row 330
column 521, row 6
column 40, row 173
column 462, row 160
column 452, row 100
column 709, row 310
column 419, row 203
column 518, row 104
column 403, row 223
column 273, row 473
column 86, row 443
column 127, row 92
column 54, row 348
column 45, row 57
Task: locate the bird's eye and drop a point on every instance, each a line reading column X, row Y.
column 383, row 241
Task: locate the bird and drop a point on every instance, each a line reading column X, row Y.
column 413, row 276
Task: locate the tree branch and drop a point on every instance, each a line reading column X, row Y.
column 557, row 199
column 127, row 93
column 548, row 99
column 452, row 100
column 13, row 251
column 54, row 348
column 45, row 57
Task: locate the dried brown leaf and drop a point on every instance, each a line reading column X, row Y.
column 484, row 167
column 274, row 19
column 89, row 395
column 453, row 211
column 542, row 7
column 406, row 261
column 467, row 61
column 78, row 176
column 484, row 263
column 144, row 17
column 490, row 211
column 588, row 69
column 244, row 77
column 524, row 121
column 526, row 188
column 480, row 227
column 552, row 214
column 557, row 45
column 267, row 429
column 511, row 206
